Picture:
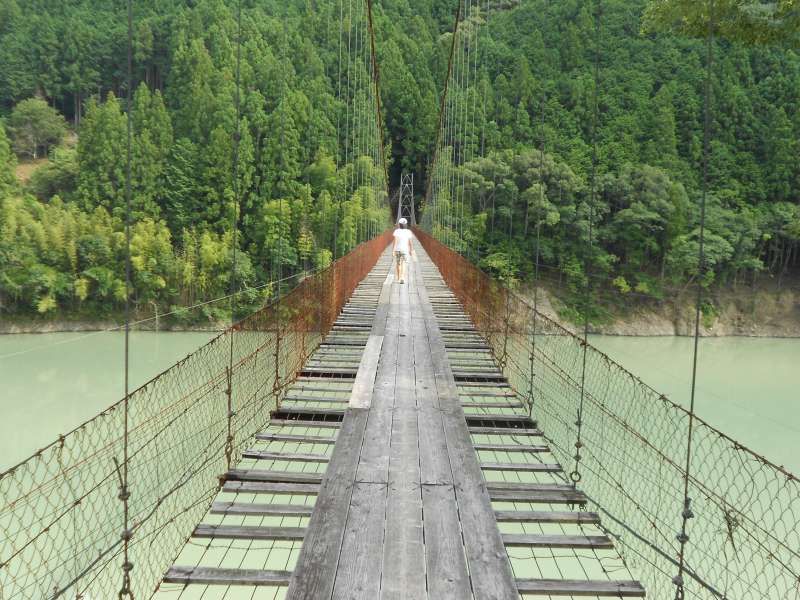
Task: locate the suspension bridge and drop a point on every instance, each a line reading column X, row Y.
column 359, row 438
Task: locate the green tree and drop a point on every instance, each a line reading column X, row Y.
column 35, row 127
column 8, row 163
column 102, row 156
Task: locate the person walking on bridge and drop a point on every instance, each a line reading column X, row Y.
column 402, row 248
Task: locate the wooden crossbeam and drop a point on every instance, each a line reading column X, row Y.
column 261, row 510
column 301, row 398
column 547, row 516
column 522, row 467
column 557, row 541
column 215, row 576
column 505, row 431
column 249, row 532
column 566, row 587
column 289, row 456
column 513, row 420
column 511, row 448
column 304, row 423
column 300, row 439
column 299, row 412
column 276, row 488
column 273, row 476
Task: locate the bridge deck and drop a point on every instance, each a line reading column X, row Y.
column 400, row 465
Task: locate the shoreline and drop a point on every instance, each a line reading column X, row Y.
column 633, row 328
column 36, row 327
column 764, row 314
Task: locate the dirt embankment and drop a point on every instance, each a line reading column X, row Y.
column 750, row 313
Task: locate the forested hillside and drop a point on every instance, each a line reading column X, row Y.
column 535, row 79
column 62, row 245
column 310, row 175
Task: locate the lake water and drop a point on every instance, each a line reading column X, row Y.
column 747, row 387
column 51, row 383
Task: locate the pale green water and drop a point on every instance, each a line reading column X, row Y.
column 749, row 388
column 51, row 383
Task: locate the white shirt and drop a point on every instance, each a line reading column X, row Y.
column 402, row 238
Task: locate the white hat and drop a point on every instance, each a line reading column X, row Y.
column 402, row 221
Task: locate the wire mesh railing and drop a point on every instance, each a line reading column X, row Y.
column 744, row 534
column 61, row 521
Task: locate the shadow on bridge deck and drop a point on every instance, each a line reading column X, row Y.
column 399, row 465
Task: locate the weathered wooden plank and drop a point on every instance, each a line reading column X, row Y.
column 489, row 568
column 557, row 541
column 300, row 412
column 255, row 487
column 434, row 460
column 361, row 395
column 538, row 497
column 309, row 398
column 304, row 423
column 261, row 510
column 404, row 575
column 373, row 463
column 522, row 467
column 512, row 447
column 512, row 420
column 333, row 386
column 546, row 516
column 215, row 576
column 272, row 476
column 248, row 532
column 529, row 486
column 471, row 404
column 301, row 439
column 358, row 571
column 565, row 587
column 329, row 372
column 289, row 456
column 444, row 552
column 314, row 575
column 512, row 431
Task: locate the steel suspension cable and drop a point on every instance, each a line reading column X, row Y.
column 468, row 50
column 472, row 150
column 378, row 110
column 537, row 251
column 575, row 475
column 336, row 200
column 124, row 490
column 237, row 136
column 687, row 513
column 348, row 130
column 442, row 106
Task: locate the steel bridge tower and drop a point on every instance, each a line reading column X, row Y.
column 405, row 201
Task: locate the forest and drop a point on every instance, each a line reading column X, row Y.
column 310, row 188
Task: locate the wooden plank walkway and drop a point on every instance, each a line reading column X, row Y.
column 401, row 465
